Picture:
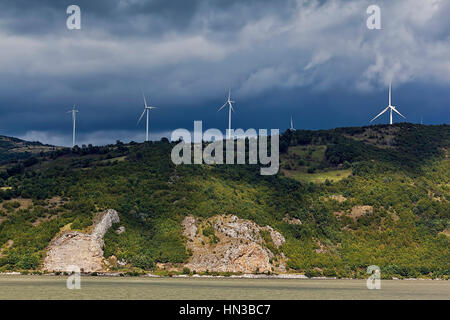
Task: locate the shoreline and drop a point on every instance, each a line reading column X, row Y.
column 197, row 276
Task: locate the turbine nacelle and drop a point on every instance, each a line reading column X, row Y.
column 73, row 110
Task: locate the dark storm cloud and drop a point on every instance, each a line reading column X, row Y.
column 140, row 17
column 313, row 59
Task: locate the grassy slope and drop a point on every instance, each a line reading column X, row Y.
column 405, row 179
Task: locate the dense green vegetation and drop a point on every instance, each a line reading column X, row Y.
column 402, row 172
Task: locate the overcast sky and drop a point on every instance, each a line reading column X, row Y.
column 314, row 60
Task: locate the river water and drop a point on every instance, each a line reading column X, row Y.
column 54, row 287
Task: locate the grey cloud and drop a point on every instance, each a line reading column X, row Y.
column 102, row 137
column 186, row 54
column 125, row 18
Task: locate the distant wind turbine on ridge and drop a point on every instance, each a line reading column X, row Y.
column 230, row 108
column 74, row 120
column 146, row 110
column 389, row 107
column 292, row 125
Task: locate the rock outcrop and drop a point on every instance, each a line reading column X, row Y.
column 229, row 244
column 83, row 250
column 276, row 237
column 290, row 220
column 120, row 230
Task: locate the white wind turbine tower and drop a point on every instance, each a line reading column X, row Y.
column 292, row 125
column 230, row 108
column 389, row 107
column 74, row 120
column 146, row 110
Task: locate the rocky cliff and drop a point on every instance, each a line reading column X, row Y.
column 229, row 244
column 80, row 249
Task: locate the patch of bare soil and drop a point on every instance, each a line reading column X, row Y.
column 380, row 137
column 23, row 203
column 55, row 202
column 338, row 197
column 356, row 212
column 322, row 248
column 7, row 245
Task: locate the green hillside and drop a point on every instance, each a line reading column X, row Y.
column 376, row 195
column 17, row 149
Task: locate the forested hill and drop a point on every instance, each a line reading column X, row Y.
column 14, row 149
column 344, row 199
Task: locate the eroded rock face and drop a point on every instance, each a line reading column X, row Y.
column 277, row 238
column 104, row 222
column 80, row 249
column 189, row 227
column 237, row 246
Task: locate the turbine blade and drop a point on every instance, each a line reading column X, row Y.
column 141, row 116
column 398, row 112
column 222, row 106
column 145, row 101
column 380, row 114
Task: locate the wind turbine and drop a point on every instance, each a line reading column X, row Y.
column 74, row 112
column 389, row 107
column 146, row 109
column 292, row 125
column 230, row 108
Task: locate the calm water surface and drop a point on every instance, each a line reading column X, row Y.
column 52, row 287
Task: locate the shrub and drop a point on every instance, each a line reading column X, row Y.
column 28, row 262
column 186, row 270
column 143, row 262
column 310, row 273
column 208, row 231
